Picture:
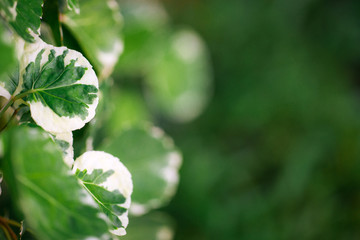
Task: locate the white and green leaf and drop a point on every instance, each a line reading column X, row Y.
column 180, row 81
column 110, row 184
column 1, row 178
column 154, row 226
column 24, row 16
column 7, row 62
column 128, row 109
column 73, row 5
column 146, row 23
column 55, row 205
column 60, row 86
column 154, row 165
column 65, row 141
column 69, row 5
column 8, row 84
column 98, row 33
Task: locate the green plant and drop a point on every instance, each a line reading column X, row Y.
column 57, row 59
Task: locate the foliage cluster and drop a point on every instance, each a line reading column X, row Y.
column 70, row 110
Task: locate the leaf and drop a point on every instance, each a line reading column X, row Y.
column 110, row 184
column 65, row 142
column 179, row 81
column 129, row 109
column 7, row 62
column 1, row 175
column 154, row 226
column 175, row 64
column 60, row 86
column 154, row 164
column 69, row 5
column 98, row 33
column 24, row 17
column 55, row 205
column 146, row 23
column 73, row 5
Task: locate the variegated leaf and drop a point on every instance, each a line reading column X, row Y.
column 23, row 16
column 65, row 141
column 98, row 33
column 110, row 184
column 73, row 5
column 154, row 165
column 7, row 61
column 180, row 80
column 60, row 86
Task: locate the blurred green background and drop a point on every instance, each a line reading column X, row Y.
column 276, row 153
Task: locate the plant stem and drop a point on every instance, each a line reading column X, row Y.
column 11, row 118
column 7, row 229
column 8, row 104
column 12, row 100
column 8, row 222
column 12, row 222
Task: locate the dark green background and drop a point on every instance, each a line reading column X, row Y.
column 276, row 154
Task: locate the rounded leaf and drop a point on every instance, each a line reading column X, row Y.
column 154, row 164
column 110, row 183
column 180, row 81
column 61, row 86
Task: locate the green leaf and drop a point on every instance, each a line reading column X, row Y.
column 24, row 16
column 129, row 109
column 55, row 205
column 69, row 5
column 7, row 62
column 8, row 84
column 146, row 23
column 152, row 226
column 154, row 165
column 60, row 86
column 109, row 183
column 180, row 81
column 98, row 33
column 175, row 64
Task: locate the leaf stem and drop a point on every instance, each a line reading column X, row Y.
column 7, row 229
column 13, row 223
column 8, row 104
column 11, row 118
column 12, row 100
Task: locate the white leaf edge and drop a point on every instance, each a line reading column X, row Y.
column 120, row 180
column 43, row 115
